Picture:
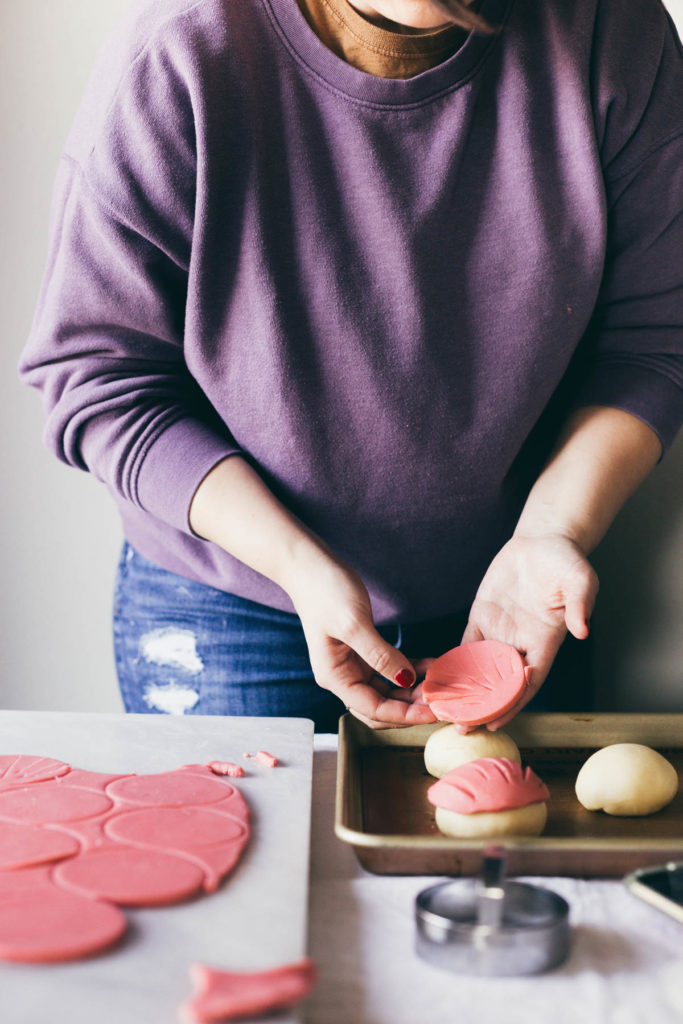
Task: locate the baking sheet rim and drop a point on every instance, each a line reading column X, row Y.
column 536, row 844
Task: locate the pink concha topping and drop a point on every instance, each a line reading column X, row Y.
column 475, row 683
column 489, row 784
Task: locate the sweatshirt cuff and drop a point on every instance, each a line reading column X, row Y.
column 646, row 393
column 173, row 467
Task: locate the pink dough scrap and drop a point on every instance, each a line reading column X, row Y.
column 263, row 757
column 235, row 771
column 24, row 845
column 488, row 784
column 226, row 995
column 130, row 876
column 46, row 925
column 475, row 683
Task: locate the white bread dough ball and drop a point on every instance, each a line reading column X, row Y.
column 446, row 748
column 627, row 779
column 520, row 821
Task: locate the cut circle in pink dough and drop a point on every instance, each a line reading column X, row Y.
column 227, row 995
column 24, row 845
column 174, row 827
column 488, row 784
column 169, row 789
column 18, row 769
column 475, row 683
column 130, row 876
column 48, row 925
column 45, row 802
column 73, row 843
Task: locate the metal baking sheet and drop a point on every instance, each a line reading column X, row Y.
column 256, row 920
column 382, row 810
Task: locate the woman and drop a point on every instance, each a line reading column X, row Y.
column 369, row 315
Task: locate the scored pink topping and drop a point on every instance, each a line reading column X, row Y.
column 19, row 769
column 476, row 682
column 488, row 784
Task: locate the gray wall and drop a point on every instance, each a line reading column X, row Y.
column 61, row 535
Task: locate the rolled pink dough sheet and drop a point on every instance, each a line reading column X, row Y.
column 138, row 840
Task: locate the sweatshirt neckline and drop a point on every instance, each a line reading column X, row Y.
column 390, row 43
column 370, row 90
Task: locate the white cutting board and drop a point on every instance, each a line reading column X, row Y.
column 256, row 920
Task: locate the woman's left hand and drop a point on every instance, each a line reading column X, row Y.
column 536, row 588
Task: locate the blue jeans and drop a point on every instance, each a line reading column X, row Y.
column 183, row 647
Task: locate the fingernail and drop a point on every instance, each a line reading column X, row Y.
column 404, row 678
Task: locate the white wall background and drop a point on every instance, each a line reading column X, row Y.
column 60, row 537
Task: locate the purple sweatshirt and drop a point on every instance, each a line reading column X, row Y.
column 386, row 294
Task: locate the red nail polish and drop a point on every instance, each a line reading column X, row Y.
column 405, row 677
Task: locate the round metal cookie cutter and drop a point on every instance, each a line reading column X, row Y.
column 491, row 926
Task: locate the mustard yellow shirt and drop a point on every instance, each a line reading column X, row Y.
column 378, row 51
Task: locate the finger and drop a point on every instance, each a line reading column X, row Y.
column 382, row 658
column 388, row 690
column 371, row 723
column 421, row 665
column 580, row 601
column 364, row 700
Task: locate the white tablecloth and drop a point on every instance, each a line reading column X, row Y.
column 625, row 966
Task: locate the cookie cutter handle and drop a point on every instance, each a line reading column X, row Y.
column 490, row 902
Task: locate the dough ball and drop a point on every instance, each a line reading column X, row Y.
column 628, row 779
column 446, row 748
column 520, row 821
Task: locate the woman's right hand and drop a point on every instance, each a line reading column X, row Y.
column 347, row 654
column 234, row 508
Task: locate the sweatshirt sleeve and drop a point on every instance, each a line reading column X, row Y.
column 636, row 339
column 106, row 346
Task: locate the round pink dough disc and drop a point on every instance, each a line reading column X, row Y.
column 170, row 789
column 45, row 925
column 173, row 827
column 24, row 845
column 130, row 876
column 475, row 683
column 51, row 802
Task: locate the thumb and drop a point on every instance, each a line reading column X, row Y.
column 382, row 658
column 472, row 633
column 579, row 600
